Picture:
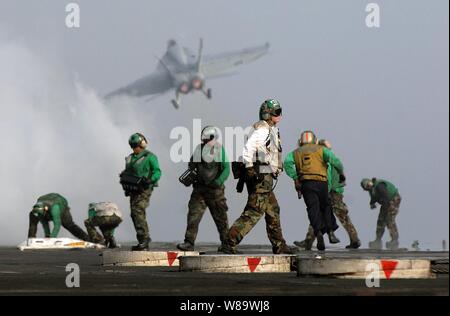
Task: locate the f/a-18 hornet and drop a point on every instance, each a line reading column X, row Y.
column 182, row 70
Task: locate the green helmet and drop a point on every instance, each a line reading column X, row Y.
column 137, row 140
column 39, row 208
column 366, row 183
column 269, row 108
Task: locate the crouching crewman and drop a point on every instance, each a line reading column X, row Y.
column 53, row 207
column 107, row 217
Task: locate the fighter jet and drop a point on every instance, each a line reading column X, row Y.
column 182, row 70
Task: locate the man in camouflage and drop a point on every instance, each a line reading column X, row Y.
column 262, row 159
column 53, row 207
column 140, row 176
column 387, row 195
column 212, row 168
column 107, row 217
column 338, row 206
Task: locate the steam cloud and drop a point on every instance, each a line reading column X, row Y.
column 56, row 136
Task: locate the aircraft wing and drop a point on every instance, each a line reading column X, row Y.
column 155, row 83
column 220, row 64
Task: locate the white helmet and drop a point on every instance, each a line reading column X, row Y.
column 209, row 133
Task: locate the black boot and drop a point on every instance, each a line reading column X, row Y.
column 376, row 244
column 320, row 242
column 142, row 246
column 111, row 243
column 354, row 245
column 186, row 246
column 285, row 249
column 301, row 244
column 226, row 248
column 305, row 244
column 98, row 240
column 392, row 245
column 332, row 238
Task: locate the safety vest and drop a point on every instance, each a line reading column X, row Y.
column 105, row 209
column 271, row 152
column 136, row 166
column 391, row 190
column 309, row 163
column 210, row 169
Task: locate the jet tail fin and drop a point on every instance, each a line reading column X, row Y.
column 200, row 54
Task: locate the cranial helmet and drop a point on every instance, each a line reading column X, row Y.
column 366, row 184
column 269, row 108
column 137, row 140
column 209, row 133
column 40, row 208
column 307, row 137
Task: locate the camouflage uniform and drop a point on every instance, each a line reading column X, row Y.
column 262, row 157
column 213, row 168
column 105, row 224
column 107, row 217
column 144, row 166
column 202, row 197
column 138, row 204
column 386, row 194
column 261, row 202
column 386, row 218
column 340, row 210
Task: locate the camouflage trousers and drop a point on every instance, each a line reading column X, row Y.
column 138, row 205
column 106, row 224
column 259, row 205
column 386, row 218
column 66, row 222
column 203, row 197
column 340, row 210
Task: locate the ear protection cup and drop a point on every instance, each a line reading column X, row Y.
column 210, row 131
column 143, row 142
column 268, row 109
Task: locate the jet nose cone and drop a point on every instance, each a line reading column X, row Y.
column 171, row 43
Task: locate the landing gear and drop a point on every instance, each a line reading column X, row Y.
column 175, row 104
column 207, row 93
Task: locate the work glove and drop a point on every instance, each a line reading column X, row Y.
column 373, row 206
column 148, row 183
column 342, row 178
column 298, row 188
column 251, row 173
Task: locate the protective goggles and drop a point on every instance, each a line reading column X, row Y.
column 277, row 112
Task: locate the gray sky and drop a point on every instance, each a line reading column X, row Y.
column 379, row 95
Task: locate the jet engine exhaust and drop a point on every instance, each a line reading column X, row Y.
column 184, row 88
